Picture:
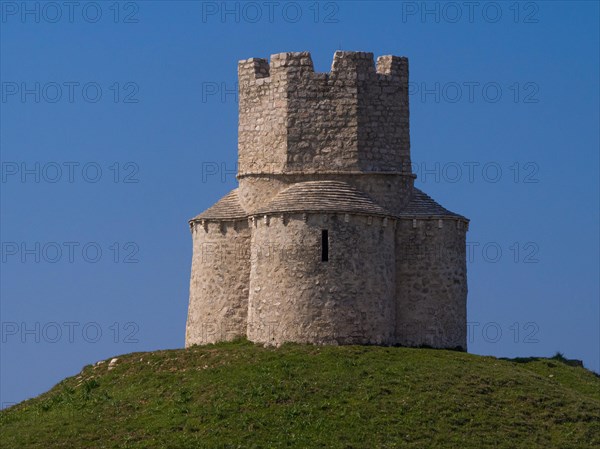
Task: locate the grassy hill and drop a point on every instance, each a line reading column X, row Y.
column 239, row 395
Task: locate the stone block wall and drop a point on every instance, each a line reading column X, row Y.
column 219, row 282
column 383, row 116
column 297, row 297
column 262, row 128
column 431, row 281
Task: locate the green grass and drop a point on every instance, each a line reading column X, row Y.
column 240, row 395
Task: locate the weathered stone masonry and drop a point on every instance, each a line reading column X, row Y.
column 326, row 240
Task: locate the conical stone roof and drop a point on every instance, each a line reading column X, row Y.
column 422, row 205
column 323, row 196
column 227, row 208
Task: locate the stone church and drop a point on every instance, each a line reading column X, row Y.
column 326, row 240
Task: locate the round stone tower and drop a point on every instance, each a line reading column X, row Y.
column 327, row 240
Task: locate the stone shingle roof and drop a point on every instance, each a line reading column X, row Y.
column 326, row 196
column 227, row 208
column 422, row 204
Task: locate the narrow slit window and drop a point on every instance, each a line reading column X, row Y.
column 324, row 245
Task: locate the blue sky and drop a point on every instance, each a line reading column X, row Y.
column 119, row 123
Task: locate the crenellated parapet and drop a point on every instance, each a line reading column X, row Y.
column 353, row 119
column 345, row 65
